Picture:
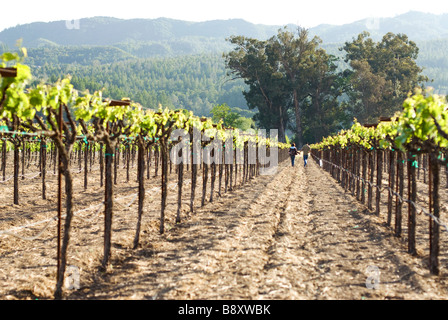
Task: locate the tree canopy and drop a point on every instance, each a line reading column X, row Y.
column 295, row 84
column 383, row 73
column 290, row 81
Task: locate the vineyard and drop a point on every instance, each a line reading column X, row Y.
column 160, row 204
column 410, row 145
column 74, row 130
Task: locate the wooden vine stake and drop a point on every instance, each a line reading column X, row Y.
column 412, row 196
column 434, row 206
column 180, row 176
column 164, row 153
column 391, row 185
column 194, row 164
column 16, row 142
column 379, row 179
column 59, row 271
column 43, row 165
column 399, row 191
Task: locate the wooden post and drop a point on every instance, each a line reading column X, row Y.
column 86, row 154
column 412, row 196
column 43, row 150
column 399, row 191
column 180, row 178
column 164, row 152
column 364, row 177
column 379, row 179
column 59, row 198
column 371, row 175
column 141, row 187
column 358, row 172
column 391, row 185
column 8, row 72
column 434, row 228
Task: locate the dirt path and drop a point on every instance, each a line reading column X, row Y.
column 295, row 235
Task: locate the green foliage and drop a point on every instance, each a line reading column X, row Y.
column 13, row 100
column 90, row 113
column 244, row 123
column 423, row 122
column 79, row 55
column 195, row 83
column 383, row 74
column 291, row 81
column 230, row 118
column 422, row 126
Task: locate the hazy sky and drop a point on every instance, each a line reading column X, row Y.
column 307, row 13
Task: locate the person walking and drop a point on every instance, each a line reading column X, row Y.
column 293, row 152
column 306, row 150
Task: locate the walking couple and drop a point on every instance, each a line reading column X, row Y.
column 293, row 151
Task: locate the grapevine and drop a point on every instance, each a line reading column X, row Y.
column 419, row 129
column 66, row 121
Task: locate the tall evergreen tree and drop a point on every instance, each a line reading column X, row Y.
column 267, row 87
column 383, row 73
column 290, row 78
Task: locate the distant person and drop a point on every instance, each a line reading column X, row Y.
column 293, row 152
column 306, row 150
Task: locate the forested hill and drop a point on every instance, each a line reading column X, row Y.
column 193, row 82
column 179, row 63
column 418, row 26
column 141, row 37
column 166, row 36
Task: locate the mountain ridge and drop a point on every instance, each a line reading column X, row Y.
column 110, row 41
column 102, row 30
column 418, row 26
column 111, row 31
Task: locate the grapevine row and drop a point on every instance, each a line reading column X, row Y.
column 357, row 158
column 68, row 120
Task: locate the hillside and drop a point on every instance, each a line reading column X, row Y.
column 418, row 26
column 105, row 47
column 107, row 31
column 144, row 37
column 193, row 82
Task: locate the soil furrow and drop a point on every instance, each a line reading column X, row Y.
column 293, row 235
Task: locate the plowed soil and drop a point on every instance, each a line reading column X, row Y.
column 289, row 236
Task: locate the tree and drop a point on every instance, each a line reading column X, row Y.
column 295, row 55
column 383, row 73
column 244, row 123
column 231, row 118
column 290, row 80
column 323, row 113
column 267, row 87
column 224, row 113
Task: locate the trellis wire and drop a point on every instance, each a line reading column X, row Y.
column 349, row 177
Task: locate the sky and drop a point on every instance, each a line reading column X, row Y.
column 308, row 14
